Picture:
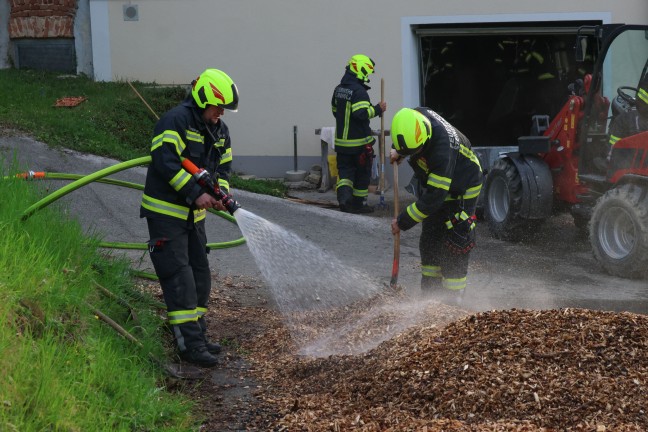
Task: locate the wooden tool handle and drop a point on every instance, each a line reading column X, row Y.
column 396, row 263
column 381, row 144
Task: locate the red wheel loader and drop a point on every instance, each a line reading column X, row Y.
column 565, row 164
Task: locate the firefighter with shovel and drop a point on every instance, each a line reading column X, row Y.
column 354, row 139
column 175, row 204
column 448, row 177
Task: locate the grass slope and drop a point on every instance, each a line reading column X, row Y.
column 63, row 369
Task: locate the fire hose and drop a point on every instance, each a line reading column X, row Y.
column 101, row 176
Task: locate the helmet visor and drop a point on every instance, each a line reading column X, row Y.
column 233, row 105
column 401, row 146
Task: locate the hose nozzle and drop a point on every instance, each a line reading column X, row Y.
column 230, row 204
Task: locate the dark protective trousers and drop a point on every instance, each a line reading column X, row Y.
column 354, row 176
column 178, row 250
column 439, row 264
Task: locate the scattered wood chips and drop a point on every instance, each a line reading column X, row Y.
column 504, row 370
column 512, row 370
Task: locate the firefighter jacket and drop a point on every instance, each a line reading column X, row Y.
column 626, row 124
column 446, row 168
column 352, row 110
column 170, row 191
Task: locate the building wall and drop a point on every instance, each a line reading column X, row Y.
column 287, row 55
column 41, row 18
column 82, row 39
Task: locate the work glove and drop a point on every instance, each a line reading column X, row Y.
column 460, row 235
column 366, row 156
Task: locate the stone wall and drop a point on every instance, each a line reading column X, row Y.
column 42, row 18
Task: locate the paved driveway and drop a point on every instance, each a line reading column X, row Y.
column 557, row 270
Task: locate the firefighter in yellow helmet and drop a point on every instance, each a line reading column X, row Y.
column 175, row 206
column 354, row 140
column 449, row 180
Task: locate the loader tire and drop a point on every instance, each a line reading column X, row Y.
column 502, row 203
column 619, row 231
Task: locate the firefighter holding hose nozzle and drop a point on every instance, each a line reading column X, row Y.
column 447, row 181
column 190, row 141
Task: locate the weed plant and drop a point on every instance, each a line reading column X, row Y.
column 62, row 368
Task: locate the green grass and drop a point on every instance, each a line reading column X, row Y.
column 112, row 122
column 63, row 369
column 266, row 187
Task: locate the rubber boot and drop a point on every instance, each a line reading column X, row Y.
column 431, row 285
column 359, row 206
column 212, row 347
column 199, row 356
column 452, row 297
column 344, row 197
column 459, row 296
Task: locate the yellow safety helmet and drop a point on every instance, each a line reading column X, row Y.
column 409, row 131
column 215, row 87
column 361, row 66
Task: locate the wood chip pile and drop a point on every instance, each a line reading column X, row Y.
column 512, row 370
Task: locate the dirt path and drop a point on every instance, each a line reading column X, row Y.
column 556, row 270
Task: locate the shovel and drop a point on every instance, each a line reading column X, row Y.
column 395, row 265
column 381, row 151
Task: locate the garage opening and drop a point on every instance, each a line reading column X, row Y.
column 489, row 81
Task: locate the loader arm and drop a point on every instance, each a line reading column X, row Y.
column 562, row 158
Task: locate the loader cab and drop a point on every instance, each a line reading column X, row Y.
column 622, row 62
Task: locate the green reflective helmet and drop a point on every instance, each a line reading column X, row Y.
column 409, row 131
column 361, row 66
column 215, row 87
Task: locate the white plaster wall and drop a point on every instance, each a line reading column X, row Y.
column 82, row 38
column 287, row 55
column 101, row 36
